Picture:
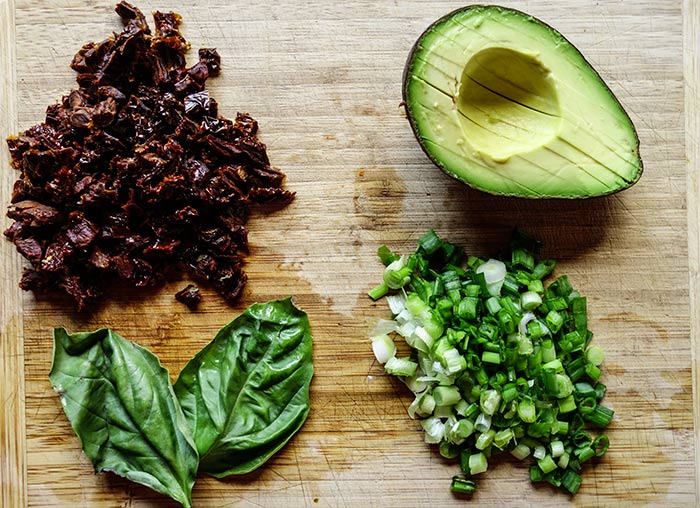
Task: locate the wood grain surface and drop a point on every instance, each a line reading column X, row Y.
column 324, row 81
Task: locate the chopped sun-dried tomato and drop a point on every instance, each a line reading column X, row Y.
column 134, row 172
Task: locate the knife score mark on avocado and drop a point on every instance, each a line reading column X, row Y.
column 234, row 405
column 504, row 103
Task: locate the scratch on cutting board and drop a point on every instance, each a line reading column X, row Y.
column 301, row 482
column 336, row 483
column 617, row 33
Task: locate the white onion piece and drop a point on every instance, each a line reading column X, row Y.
column 522, row 325
column 494, row 274
column 416, row 384
column 384, row 326
column 403, row 317
column 434, row 430
column 397, row 303
column 383, row 347
column 493, row 270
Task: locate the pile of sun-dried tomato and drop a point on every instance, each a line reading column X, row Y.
column 135, row 173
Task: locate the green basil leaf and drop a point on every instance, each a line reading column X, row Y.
column 120, row 402
column 247, row 392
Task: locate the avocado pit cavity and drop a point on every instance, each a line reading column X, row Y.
column 507, row 103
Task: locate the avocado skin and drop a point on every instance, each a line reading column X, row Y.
column 407, row 72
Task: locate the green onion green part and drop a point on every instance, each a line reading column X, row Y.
column 462, row 485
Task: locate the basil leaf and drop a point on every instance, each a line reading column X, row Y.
column 247, row 392
column 121, row 405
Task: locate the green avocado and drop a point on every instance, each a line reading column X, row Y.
column 504, row 103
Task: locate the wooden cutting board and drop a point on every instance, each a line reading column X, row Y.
column 324, row 81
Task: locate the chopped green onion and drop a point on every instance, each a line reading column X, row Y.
column 584, row 390
column 564, row 386
column 400, row 367
column 592, row 371
column 600, row 445
column 472, row 410
column 466, row 308
column 500, row 361
column 536, row 474
column 543, row 268
column 549, row 381
column 478, row 463
column 509, row 393
column 521, row 451
column 571, row 481
column 415, row 305
column 578, row 307
column 483, row 422
column 581, row 439
column 386, row 256
column 378, row 291
column 594, row 355
column 397, row 274
column 485, row 440
column 461, row 430
column 493, row 305
column 489, row 401
column 443, row 411
column 540, row 452
column 448, row 449
column 555, row 365
column 557, row 448
column 462, row 485
column 549, row 352
column 491, row 357
column 494, row 272
column 547, row 464
column 587, row 405
column 600, row 416
column 434, row 429
column 426, row 404
column 523, row 258
column 554, row 321
column 525, row 346
column 383, row 347
column 415, row 384
column 562, row 286
column 535, row 329
column 530, row 300
column 510, row 285
column 472, row 290
column 503, row 437
column 563, row 462
column 446, row 395
column 584, row 454
column 526, row 410
column 600, row 390
column 536, row 286
column 567, row 404
column 560, row 427
column 539, row 429
column 464, row 460
column 453, row 361
column 430, row 242
column 461, row 408
column 396, row 303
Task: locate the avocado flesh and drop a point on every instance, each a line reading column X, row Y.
column 504, row 103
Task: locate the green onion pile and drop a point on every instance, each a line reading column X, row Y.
column 500, row 362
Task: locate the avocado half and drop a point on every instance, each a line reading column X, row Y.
column 504, row 103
